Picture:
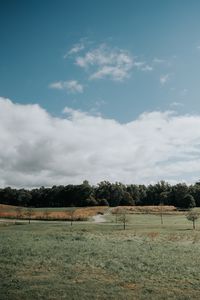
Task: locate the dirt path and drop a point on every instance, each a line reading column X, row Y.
column 99, row 219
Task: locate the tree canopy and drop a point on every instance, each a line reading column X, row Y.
column 104, row 193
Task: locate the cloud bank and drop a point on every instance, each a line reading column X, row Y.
column 38, row 149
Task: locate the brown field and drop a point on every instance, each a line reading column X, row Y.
column 83, row 213
column 7, row 207
column 145, row 209
column 78, row 214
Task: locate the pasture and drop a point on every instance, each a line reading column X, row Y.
column 46, row 260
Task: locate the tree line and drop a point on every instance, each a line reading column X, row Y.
column 104, row 193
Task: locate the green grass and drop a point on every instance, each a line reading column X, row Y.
column 100, row 261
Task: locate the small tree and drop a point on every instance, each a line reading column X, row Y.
column 19, row 213
column 29, row 214
column 192, row 216
column 46, row 214
column 124, row 219
column 161, row 212
column 72, row 214
column 116, row 212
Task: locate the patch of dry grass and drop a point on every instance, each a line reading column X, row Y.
column 145, row 209
column 65, row 213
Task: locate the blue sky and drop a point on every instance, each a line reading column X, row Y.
column 110, row 65
column 36, row 35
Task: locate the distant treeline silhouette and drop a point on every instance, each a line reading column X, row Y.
column 104, row 193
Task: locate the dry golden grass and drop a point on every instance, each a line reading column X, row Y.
column 79, row 213
column 7, row 207
column 83, row 213
column 145, row 209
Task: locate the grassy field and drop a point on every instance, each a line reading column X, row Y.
column 101, row 261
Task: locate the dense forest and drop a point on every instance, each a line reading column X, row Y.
column 104, row 193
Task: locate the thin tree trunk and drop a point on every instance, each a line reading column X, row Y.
column 161, row 216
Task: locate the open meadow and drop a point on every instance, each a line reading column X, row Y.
column 100, row 150
column 46, row 260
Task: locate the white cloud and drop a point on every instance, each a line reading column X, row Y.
column 76, row 48
column 143, row 66
column 38, row 149
column 58, row 85
column 147, row 68
column 71, row 86
column 164, row 79
column 105, row 62
column 113, row 72
column 139, row 64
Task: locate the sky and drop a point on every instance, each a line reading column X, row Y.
column 99, row 90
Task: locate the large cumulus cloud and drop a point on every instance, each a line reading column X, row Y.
column 38, row 149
